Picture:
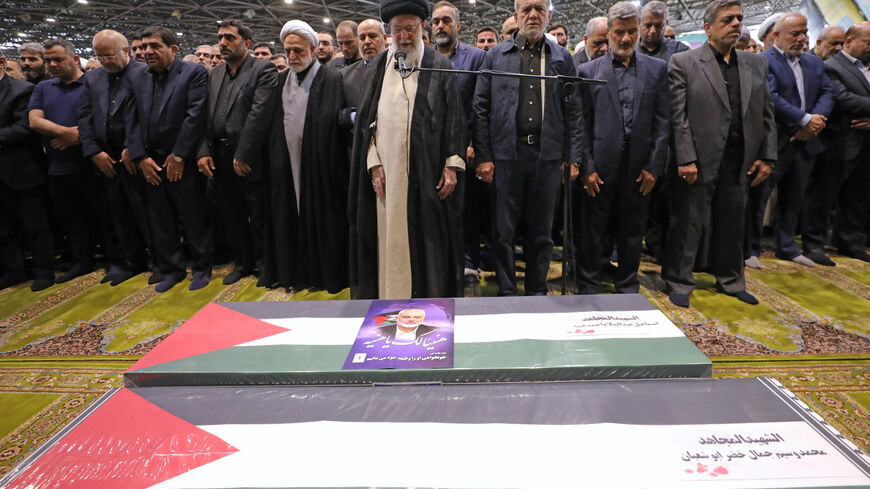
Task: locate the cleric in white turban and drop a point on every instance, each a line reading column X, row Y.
column 306, row 240
column 407, row 170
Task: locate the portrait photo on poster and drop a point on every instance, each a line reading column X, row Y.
column 406, row 334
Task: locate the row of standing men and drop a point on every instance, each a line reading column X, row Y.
column 290, row 220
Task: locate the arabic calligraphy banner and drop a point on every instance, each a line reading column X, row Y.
column 410, row 334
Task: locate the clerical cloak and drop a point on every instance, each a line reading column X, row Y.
column 306, row 246
column 434, row 226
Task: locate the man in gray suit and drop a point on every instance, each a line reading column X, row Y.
column 717, row 150
column 241, row 96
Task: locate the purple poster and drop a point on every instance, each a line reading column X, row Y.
column 405, row 334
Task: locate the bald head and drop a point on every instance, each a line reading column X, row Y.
column 111, row 50
column 372, row 39
column 830, row 41
column 596, row 38
column 509, row 27
column 857, row 42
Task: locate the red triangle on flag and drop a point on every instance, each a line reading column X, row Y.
column 127, row 443
column 213, row 328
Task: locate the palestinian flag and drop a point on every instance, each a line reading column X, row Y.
column 660, row 434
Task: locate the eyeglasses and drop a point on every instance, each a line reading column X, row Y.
column 407, row 29
column 106, row 57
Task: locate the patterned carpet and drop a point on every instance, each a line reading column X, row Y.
column 63, row 347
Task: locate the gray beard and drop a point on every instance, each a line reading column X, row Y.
column 443, row 40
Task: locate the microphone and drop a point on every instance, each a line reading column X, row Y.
column 400, row 63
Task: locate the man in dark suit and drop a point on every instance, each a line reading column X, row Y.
column 22, row 189
column 519, row 133
column 241, row 95
column 446, row 26
column 595, row 41
column 372, row 40
column 724, row 133
column 843, row 176
column 348, row 43
column 165, row 128
column 408, row 328
column 653, row 22
column 802, row 100
column 102, row 130
column 627, row 126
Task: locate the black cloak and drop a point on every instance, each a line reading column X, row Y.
column 434, row 225
column 309, row 248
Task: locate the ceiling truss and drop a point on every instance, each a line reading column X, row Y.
column 196, row 20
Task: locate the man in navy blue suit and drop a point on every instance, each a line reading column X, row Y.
column 166, row 126
column 445, row 26
column 803, row 97
column 102, row 130
column 627, row 126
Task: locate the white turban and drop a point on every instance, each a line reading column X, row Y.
column 767, row 25
column 301, row 29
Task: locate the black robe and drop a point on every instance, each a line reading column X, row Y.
column 309, row 248
column 434, row 225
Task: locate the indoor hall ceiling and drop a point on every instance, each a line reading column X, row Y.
column 196, row 20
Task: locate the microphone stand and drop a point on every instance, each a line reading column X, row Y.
column 567, row 83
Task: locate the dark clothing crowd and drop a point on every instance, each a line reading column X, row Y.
column 287, row 164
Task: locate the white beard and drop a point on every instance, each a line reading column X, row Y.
column 414, row 54
column 305, row 64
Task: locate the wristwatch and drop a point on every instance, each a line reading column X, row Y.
column 178, row 159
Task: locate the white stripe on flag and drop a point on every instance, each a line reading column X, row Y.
column 492, row 327
column 605, row 456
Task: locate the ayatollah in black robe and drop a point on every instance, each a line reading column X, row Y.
column 434, row 225
column 309, row 248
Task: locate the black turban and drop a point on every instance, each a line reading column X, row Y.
column 392, row 8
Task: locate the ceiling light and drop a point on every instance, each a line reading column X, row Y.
column 179, row 34
column 83, row 1
column 288, row 1
column 50, row 19
column 325, row 20
column 22, row 34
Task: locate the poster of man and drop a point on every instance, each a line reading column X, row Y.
column 409, row 334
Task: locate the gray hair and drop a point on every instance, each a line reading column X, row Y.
column 715, row 6
column 622, row 11
column 207, row 46
column 745, row 35
column 67, row 46
column 445, row 3
column 823, row 34
column 517, row 5
column 657, row 8
column 780, row 22
column 33, row 47
column 593, row 22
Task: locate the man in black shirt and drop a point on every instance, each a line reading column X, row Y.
column 165, row 128
column 102, row 129
column 518, row 138
column 242, row 93
column 712, row 165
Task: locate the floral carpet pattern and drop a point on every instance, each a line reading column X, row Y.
column 63, row 347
